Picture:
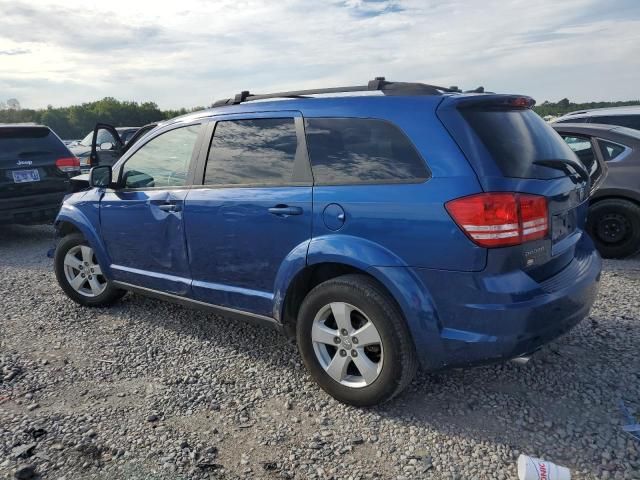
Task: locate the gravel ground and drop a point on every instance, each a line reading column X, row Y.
column 149, row 390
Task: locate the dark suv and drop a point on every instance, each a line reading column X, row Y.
column 404, row 224
column 35, row 167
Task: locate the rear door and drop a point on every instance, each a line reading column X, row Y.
column 513, row 150
column 252, row 212
column 33, row 161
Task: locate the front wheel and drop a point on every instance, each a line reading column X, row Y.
column 614, row 225
column 80, row 275
column 355, row 342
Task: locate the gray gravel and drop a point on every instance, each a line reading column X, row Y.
column 150, row 390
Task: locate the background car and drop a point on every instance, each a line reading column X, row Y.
column 108, row 145
column 621, row 116
column 82, row 148
column 35, row 167
column 614, row 211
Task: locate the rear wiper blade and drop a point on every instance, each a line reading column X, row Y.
column 564, row 165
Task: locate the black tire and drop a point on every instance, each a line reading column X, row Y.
column 107, row 297
column 614, row 226
column 398, row 352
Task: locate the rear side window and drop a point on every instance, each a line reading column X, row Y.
column 21, row 142
column 573, row 120
column 610, row 150
column 354, row 151
column 631, row 121
column 253, row 152
column 515, row 139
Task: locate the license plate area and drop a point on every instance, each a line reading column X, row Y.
column 563, row 224
column 26, row 176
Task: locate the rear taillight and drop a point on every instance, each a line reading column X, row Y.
column 501, row 219
column 68, row 164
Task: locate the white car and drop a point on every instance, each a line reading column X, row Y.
column 621, row 116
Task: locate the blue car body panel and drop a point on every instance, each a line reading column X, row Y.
column 236, row 246
column 82, row 210
column 146, row 245
column 463, row 304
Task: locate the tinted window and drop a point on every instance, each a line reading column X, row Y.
column 584, row 151
column 126, row 136
column 610, row 150
column 353, row 150
column 252, row 152
column 631, row 121
column 572, row 120
column 516, row 139
column 24, row 142
column 163, row 161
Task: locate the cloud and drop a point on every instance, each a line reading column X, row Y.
column 196, row 52
column 15, row 51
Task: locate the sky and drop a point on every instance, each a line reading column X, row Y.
column 192, row 52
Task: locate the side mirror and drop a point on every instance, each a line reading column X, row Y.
column 106, row 146
column 100, row 176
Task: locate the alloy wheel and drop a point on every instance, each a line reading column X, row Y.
column 83, row 272
column 347, row 344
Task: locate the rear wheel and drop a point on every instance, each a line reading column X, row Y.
column 354, row 341
column 614, row 225
column 80, row 275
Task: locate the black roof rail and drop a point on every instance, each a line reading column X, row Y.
column 377, row 84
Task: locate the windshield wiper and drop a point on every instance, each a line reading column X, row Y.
column 566, row 166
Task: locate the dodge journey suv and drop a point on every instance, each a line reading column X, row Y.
column 398, row 226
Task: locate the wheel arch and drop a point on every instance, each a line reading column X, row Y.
column 71, row 220
column 615, row 194
column 330, row 258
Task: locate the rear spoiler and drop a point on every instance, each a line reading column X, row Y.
column 485, row 101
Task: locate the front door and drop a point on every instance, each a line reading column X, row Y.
column 106, row 145
column 142, row 220
column 252, row 212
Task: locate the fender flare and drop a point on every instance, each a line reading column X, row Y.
column 623, row 193
column 71, row 214
column 411, row 295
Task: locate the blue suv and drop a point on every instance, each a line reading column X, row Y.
column 382, row 226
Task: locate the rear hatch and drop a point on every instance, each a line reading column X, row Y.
column 513, row 150
column 33, row 161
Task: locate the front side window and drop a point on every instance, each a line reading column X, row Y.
column 253, row 152
column 356, row 151
column 163, row 161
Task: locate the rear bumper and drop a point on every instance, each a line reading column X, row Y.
column 487, row 318
column 32, row 209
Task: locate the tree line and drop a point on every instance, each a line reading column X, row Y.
column 77, row 120
column 565, row 106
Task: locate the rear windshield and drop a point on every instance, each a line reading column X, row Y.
column 517, row 138
column 24, row 142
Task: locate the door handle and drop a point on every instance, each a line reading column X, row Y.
column 285, row 210
column 169, row 207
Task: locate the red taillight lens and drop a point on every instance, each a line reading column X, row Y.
column 533, row 215
column 68, row 164
column 500, row 219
